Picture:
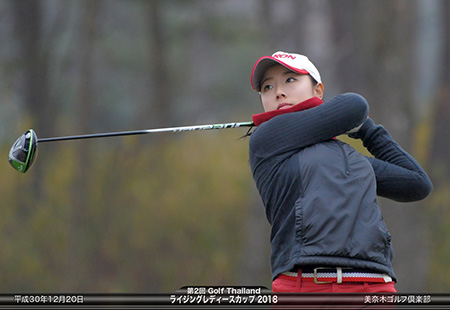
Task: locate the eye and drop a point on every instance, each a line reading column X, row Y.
column 290, row 79
column 267, row 87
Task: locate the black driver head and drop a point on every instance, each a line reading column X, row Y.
column 23, row 151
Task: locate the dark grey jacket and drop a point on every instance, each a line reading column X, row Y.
column 320, row 194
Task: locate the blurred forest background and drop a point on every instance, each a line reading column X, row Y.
column 153, row 213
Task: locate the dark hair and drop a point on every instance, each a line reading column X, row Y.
column 314, row 82
column 248, row 134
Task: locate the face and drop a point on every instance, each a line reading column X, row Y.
column 281, row 88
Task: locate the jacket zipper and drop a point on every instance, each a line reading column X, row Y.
column 347, row 168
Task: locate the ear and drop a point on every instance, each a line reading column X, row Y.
column 319, row 90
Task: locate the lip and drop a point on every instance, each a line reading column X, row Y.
column 284, row 105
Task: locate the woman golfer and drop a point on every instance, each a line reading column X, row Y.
column 320, row 194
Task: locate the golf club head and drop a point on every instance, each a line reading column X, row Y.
column 23, row 151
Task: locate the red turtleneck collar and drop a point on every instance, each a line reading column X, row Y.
column 258, row 119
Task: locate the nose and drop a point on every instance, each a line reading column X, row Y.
column 280, row 93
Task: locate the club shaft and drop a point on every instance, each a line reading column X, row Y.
column 147, row 131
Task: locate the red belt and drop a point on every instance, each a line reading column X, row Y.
column 321, row 275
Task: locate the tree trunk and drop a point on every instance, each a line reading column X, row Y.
column 35, row 72
column 78, row 250
column 159, row 108
column 439, row 214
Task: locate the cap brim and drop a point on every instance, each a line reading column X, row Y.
column 263, row 64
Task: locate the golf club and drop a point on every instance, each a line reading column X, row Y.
column 24, row 150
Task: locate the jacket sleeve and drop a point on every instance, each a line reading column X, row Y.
column 399, row 176
column 297, row 130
